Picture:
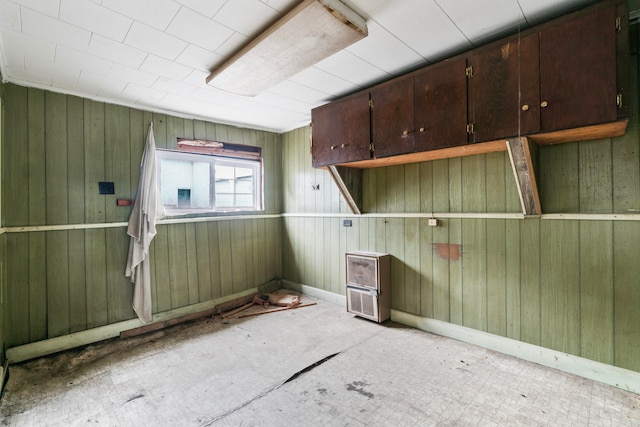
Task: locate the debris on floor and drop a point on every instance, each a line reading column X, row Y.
column 282, row 299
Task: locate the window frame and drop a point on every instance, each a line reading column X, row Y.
column 255, row 163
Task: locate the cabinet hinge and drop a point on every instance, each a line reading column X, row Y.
column 469, row 71
column 371, row 146
column 469, row 128
column 371, row 103
column 619, row 100
column 618, row 24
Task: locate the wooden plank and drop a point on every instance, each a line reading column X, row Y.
column 395, row 184
column 412, row 256
column 426, row 269
column 423, row 156
column 495, row 188
column 596, row 291
column 117, row 161
column 626, row 270
column 37, row 285
column 512, row 193
column 455, row 254
column 394, row 237
column 524, row 172
column 57, row 200
column 159, row 130
column 474, row 279
column 412, row 188
column 474, row 187
column 257, row 242
column 559, row 185
column 192, row 263
column 338, row 280
column 202, row 261
column 36, row 154
column 455, row 186
column 94, row 150
column 226, row 266
column 178, row 277
column 426, row 186
column 96, row 277
column 161, row 262
column 15, row 156
column 605, row 130
column 595, row 176
column 119, row 287
column 560, row 286
column 137, row 139
column 17, row 289
column 238, row 255
column 512, row 281
column 496, row 276
column 57, row 283
column 349, row 183
column 250, row 267
column 530, row 281
column 75, row 156
column 215, row 258
column 77, row 281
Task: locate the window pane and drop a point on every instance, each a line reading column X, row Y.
column 180, row 177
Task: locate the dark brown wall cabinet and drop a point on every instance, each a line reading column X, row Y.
column 566, row 74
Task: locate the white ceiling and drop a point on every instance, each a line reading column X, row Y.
column 156, row 54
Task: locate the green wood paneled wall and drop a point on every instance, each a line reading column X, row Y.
column 56, row 149
column 567, row 285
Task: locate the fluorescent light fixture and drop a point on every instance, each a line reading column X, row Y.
column 309, row 33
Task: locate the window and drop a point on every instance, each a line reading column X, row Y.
column 199, row 183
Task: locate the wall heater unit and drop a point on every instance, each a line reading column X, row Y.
column 369, row 285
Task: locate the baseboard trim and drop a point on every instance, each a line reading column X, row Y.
column 608, row 374
column 77, row 339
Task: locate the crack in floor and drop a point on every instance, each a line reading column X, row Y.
column 277, row 386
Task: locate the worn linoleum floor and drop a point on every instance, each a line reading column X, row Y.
column 314, row 366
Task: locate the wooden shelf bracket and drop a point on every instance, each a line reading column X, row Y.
column 524, row 172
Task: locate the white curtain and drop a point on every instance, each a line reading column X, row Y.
column 147, row 209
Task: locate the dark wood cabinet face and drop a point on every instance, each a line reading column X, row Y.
column 392, row 118
column 341, row 131
column 504, row 91
column 578, row 71
column 441, row 106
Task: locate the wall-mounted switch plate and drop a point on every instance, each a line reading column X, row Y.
column 346, row 223
column 106, row 188
column 433, row 222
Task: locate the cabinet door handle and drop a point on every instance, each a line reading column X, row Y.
column 525, row 107
column 405, row 132
column 333, row 147
column 544, row 104
column 421, row 130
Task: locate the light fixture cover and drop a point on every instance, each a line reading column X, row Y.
column 309, row 33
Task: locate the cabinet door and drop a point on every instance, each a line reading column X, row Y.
column 341, row 131
column 392, row 118
column 441, row 105
column 504, row 90
column 578, row 71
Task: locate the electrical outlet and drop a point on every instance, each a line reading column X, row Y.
column 433, row 222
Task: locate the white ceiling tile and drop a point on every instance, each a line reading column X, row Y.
column 197, row 78
column 145, row 38
column 282, row 102
column 101, row 85
column 299, row 92
column 199, row 58
column 536, row 11
column 50, row 29
column 146, row 94
column 481, row 20
column 51, row 69
column 367, row 8
column 232, row 44
column 156, row 13
column 321, row 80
column 165, row 68
column 349, row 67
column 82, row 61
column 48, row 7
column 9, row 15
column 179, row 103
column 281, row 5
column 20, row 43
column 32, row 77
column 385, row 51
column 199, row 30
column 116, row 52
column 133, row 75
column 95, row 18
column 174, row 87
column 207, row 8
column 248, row 17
